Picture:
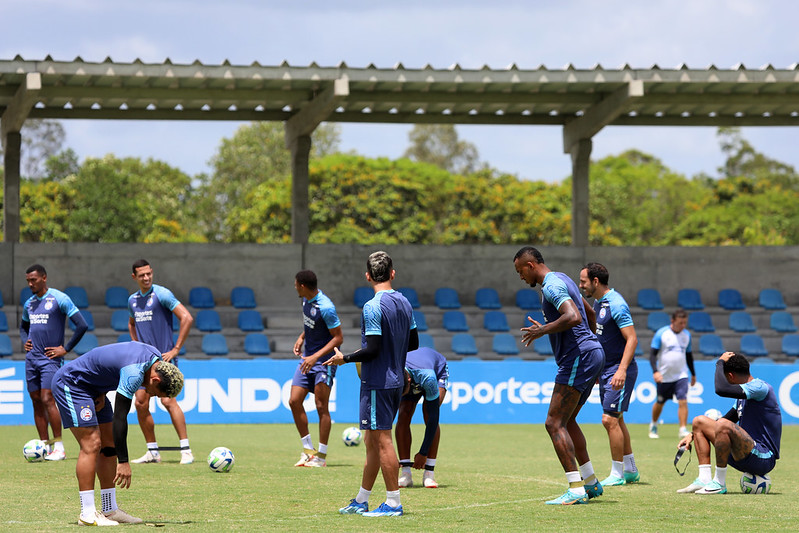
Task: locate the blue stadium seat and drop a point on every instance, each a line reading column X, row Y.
column 752, row 345
column 763, row 360
column 249, row 320
column 495, row 321
column 771, row 299
column 741, row 321
column 504, row 344
column 257, row 344
column 3, row 321
column 538, row 316
column 5, row 345
column 487, row 298
column 116, row 297
column 410, row 294
column 711, row 345
column 362, row 295
column 24, row 294
column 426, row 341
column 731, row 300
column 690, row 300
column 782, row 322
column 700, row 322
column 242, row 298
column 543, row 346
column 208, row 320
column 120, row 320
column 87, row 316
column 175, row 322
column 175, row 341
column 86, row 343
column 421, row 320
column 447, row 298
column 2, row 303
column 214, row 344
column 201, row 298
column 78, row 296
column 464, row 344
column 455, row 321
column 639, row 351
column 649, row 299
column 657, row 319
column 124, row 337
column 790, row 345
column 528, row 299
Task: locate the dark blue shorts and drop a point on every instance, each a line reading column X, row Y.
column 760, row 461
column 678, row 388
column 39, row 372
column 581, row 371
column 379, row 407
column 77, row 406
column 319, row 373
column 617, row 401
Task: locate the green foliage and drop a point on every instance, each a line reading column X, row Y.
column 439, row 144
column 44, row 211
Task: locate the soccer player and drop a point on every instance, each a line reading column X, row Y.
column 580, row 360
column 388, row 332
column 616, row 332
column 151, row 309
column 427, row 376
column 671, row 360
column 80, row 388
column 41, row 331
column 747, row 437
column 321, row 333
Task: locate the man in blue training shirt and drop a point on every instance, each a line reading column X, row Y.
column 747, row 437
column 79, row 389
column 388, row 332
column 616, row 332
column 151, row 309
column 41, row 331
column 427, row 376
column 580, row 360
column 321, row 333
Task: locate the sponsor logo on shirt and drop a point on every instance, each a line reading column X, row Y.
column 143, row 316
column 39, row 318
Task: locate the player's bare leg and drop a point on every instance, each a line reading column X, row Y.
column 40, row 415
column 321, row 399
column 562, row 408
column 296, row 398
column 179, row 422
column 141, row 401
column 682, row 416
column 402, row 432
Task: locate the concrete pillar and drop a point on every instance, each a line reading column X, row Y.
column 300, row 151
column 581, row 159
column 11, row 169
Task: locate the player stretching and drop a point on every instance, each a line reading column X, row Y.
column 41, row 331
column 321, row 333
column 747, row 437
column 616, row 333
column 151, row 309
column 580, row 360
column 428, row 378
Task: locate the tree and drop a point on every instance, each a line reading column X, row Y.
column 61, row 165
column 41, row 139
column 439, row 144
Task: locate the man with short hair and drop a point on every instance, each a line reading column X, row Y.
column 321, row 333
column 747, row 437
column 151, row 309
column 388, row 332
column 616, row 332
column 80, row 388
column 671, row 360
column 580, row 360
column 41, row 331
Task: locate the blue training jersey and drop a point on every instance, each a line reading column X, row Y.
column 759, row 414
column 47, row 317
column 612, row 314
column 429, row 372
column 388, row 314
column 119, row 367
column 318, row 318
column 152, row 313
column 556, row 289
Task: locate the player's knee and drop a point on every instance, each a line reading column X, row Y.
column 610, row 420
column 108, row 451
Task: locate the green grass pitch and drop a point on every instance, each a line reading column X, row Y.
column 492, row 478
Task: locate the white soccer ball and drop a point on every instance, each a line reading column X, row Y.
column 34, row 450
column 352, row 436
column 221, row 459
column 714, row 414
column 754, row 484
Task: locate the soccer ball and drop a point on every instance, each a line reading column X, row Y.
column 352, row 436
column 754, row 484
column 221, row 459
column 714, row 414
column 34, row 450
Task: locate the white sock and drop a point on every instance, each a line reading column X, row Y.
column 322, row 448
column 152, row 447
column 109, row 499
column 629, row 463
column 184, row 445
column 721, row 476
column 574, row 477
column 87, row 507
column 617, row 469
column 59, row 445
column 587, row 471
column 704, row 474
column 393, row 498
column 363, row 495
column 406, row 469
column 430, row 462
column 307, row 443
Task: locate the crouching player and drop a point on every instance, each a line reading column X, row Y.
column 427, row 376
column 747, row 437
column 79, row 389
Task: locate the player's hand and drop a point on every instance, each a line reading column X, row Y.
column 726, row 356
column 419, row 460
column 55, row 351
column 686, row 442
column 298, row 347
column 122, row 478
column 171, row 354
column 336, row 360
column 307, row 364
column 28, row 345
column 693, row 380
column 532, row 332
column 658, row 377
column 618, row 379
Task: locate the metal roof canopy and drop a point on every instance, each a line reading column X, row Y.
column 583, row 101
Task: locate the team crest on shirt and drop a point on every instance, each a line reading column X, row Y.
column 150, row 301
column 602, row 313
column 313, row 311
column 48, row 305
column 85, row 414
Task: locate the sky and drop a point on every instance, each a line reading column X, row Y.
column 471, row 33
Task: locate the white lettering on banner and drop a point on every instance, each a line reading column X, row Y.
column 11, row 397
column 210, row 389
column 786, row 402
column 529, row 392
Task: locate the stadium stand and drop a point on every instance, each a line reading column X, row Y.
column 657, row 319
column 543, row 346
column 426, row 340
column 214, row 344
column 361, row 295
column 649, row 299
column 182, row 348
column 711, row 345
column 242, row 298
column 5, row 345
column 120, row 320
column 528, row 299
column 495, row 321
column 464, row 344
column 455, row 321
column 504, row 344
column 3, row 321
column 78, row 296
column 701, row 322
column 790, row 345
column 24, row 294
column 731, row 300
column 201, row 298
column 771, row 299
column 752, row 345
column 2, row 303
column 487, row 298
column 411, row 296
column 741, row 322
column 87, row 316
column 249, row 320
column 257, row 344
column 421, row 320
column 116, row 297
column 690, row 300
column 208, row 320
column 447, row 298
column 86, row 343
column 124, row 337
column 782, row 322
